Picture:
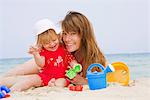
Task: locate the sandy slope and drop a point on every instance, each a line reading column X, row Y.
column 138, row 90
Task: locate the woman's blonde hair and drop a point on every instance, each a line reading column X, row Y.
column 89, row 50
column 46, row 37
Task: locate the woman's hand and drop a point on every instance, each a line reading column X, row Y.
column 79, row 80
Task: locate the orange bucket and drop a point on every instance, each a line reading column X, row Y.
column 121, row 74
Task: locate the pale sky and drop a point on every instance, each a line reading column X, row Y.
column 121, row 26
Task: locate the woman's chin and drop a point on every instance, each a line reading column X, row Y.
column 70, row 49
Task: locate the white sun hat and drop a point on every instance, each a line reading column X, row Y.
column 44, row 25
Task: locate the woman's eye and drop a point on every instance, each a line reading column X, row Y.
column 64, row 33
column 72, row 33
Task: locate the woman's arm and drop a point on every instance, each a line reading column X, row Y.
column 79, row 80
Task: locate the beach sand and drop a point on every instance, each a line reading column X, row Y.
column 137, row 90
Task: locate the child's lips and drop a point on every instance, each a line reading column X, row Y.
column 53, row 46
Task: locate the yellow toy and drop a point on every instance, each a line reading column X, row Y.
column 121, row 74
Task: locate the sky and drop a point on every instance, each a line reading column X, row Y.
column 120, row 26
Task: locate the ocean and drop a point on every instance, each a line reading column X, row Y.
column 139, row 64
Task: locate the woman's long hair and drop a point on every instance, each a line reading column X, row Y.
column 89, row 50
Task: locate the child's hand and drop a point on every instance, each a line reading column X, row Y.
column 33, row 50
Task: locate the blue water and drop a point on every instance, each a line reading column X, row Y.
column 139, row 64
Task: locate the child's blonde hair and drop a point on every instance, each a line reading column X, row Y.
column 46, row 37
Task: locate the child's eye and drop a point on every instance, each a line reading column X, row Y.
column 54, row 40
column 46, row 43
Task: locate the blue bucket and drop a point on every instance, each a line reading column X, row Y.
column 96, row 80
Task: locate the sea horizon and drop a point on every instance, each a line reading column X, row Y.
column 140, row 53
column 138, row 63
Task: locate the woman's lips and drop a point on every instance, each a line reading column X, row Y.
column 70, row 45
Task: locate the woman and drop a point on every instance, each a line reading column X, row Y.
column 78, row 37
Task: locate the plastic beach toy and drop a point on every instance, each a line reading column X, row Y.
column 120, row 75
column 97, row 80
column 72, row 72
column 76, row 88
column 3, row 91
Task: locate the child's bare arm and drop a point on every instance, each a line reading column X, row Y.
column 40, row 60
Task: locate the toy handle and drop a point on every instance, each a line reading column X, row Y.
column 77, row 68
column 3, row 91
column 95, row 64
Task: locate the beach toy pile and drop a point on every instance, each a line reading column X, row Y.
column 117, row 72
column 4, row 90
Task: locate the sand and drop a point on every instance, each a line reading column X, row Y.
column 137, row 90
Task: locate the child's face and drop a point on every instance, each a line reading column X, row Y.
column 51, row 45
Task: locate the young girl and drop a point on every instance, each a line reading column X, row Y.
column 52, row 58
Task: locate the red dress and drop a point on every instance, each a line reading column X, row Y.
column 56, row 63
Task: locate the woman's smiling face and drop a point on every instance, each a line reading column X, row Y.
column 72, row 40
